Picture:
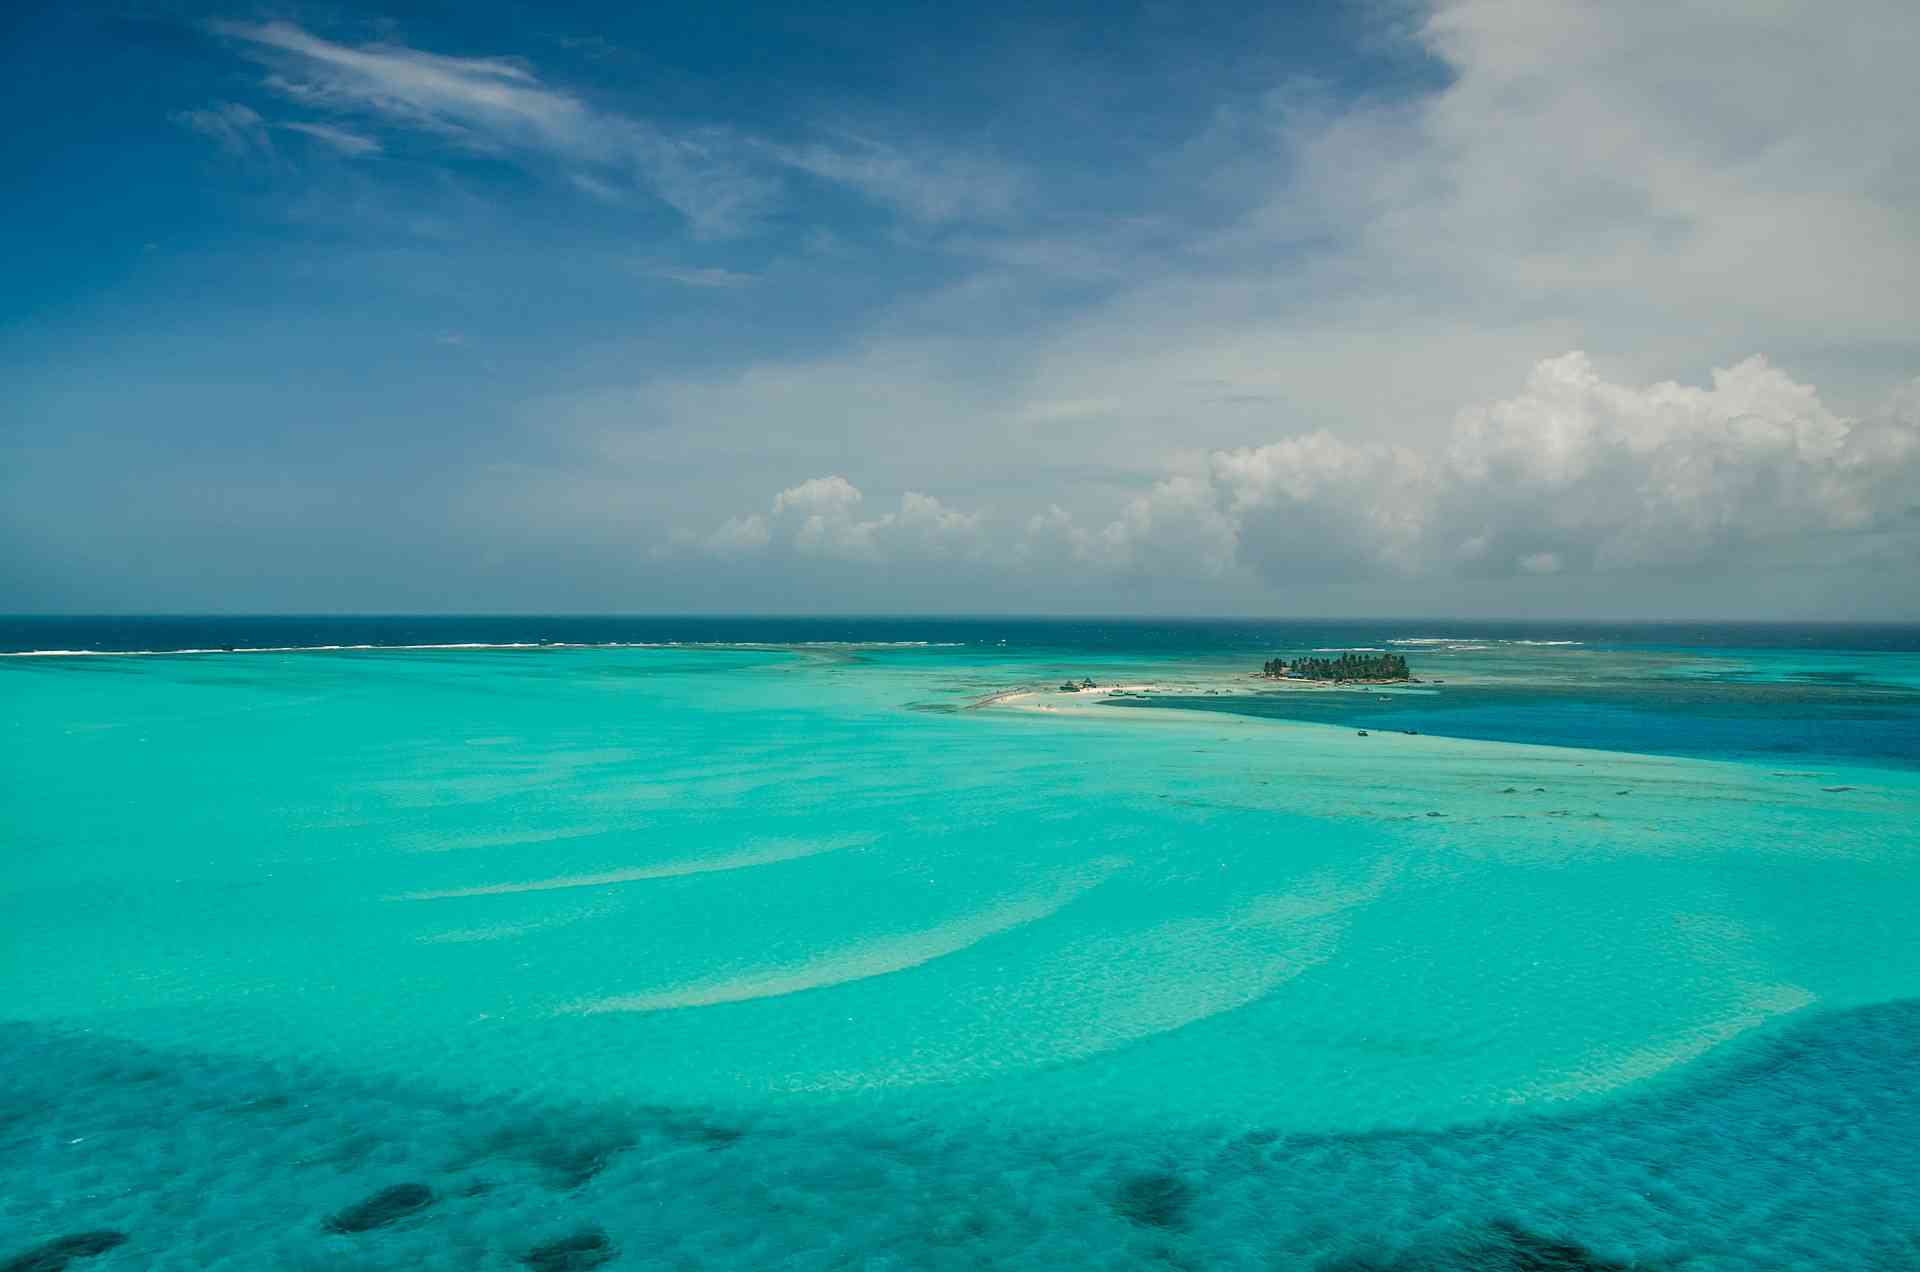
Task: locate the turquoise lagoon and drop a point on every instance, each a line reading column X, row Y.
column 858, row 944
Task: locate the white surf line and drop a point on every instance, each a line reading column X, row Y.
column 792, row 851
column 742, row 646
column 881, row 956
column 279, row 649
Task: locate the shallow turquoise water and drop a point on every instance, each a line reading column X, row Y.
column 781, row 954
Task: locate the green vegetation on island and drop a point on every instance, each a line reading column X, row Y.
column 1345, row 667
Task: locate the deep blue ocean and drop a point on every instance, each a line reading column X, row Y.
column 574, row 942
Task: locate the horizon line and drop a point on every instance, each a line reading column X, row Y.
column 931, row 615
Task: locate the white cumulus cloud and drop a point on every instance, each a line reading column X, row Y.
column 1574, row 475
column 821, row 518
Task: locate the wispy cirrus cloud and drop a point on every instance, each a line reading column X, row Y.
column 599, row 189
column 347, row 143
column 931, row 185
column 706, row 277
column 497, row 105
column 235, row 128
column 499, row 97
column 722, row 181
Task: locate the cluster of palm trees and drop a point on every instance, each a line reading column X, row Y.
column 1345, row 667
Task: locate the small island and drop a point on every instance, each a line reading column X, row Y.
column 1345, row 667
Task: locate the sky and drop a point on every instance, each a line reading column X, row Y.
column 1465, row 308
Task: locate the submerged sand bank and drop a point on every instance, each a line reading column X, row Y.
column 1073, row 701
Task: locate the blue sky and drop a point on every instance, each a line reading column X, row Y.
column 1469, row 307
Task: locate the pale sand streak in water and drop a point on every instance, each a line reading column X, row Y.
column 1760, row 1005
column 1099, row 995
column 878, row 957
column 786, row 851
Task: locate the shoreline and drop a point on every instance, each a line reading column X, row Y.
column 1055, row 701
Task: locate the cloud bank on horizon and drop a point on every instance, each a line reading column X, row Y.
column 1465, row 305
column 1575, row 474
